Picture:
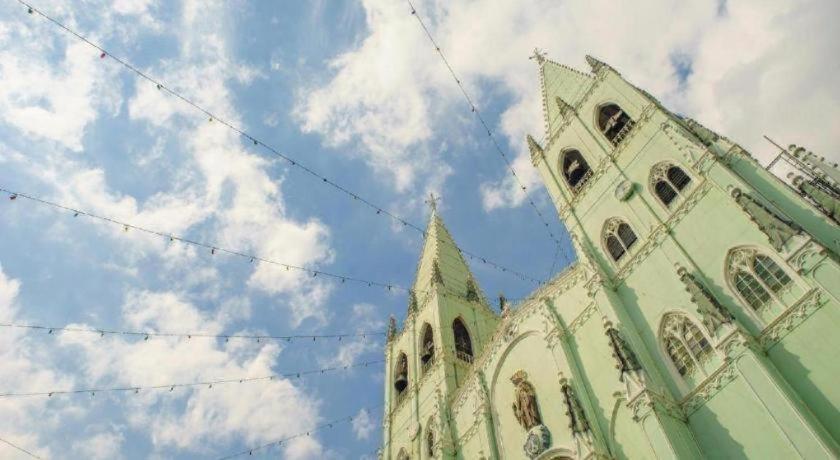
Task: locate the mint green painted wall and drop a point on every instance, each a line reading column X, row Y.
column 768, row 387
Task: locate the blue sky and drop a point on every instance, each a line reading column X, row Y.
column 354, row 91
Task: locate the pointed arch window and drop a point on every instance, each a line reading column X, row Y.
column 463, row 343
column 758, row 279
column 614, row 123
column 576, row 170
column 427, row 348
column 668, row 182
column 686, row 345
column 401, row 377
column 618, row 238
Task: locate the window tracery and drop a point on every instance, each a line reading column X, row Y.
column 668, row 182
column 614, row 123
column 758, row 279
column 576, row 170
column 618, row 237
column 686, row 345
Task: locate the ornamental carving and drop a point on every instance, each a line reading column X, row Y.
column 711, row 311
column 778, row 230
column 525, row 407
column 792, row 318
column 710, row 387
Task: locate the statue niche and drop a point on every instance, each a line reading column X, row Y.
column 527, row 413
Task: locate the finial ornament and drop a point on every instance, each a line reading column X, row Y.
column 539, row 56
column 535, row 149
column 595, row 64
column 432, row 201
column 565, row 107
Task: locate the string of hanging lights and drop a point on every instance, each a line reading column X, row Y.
column 212, row 248
column 208, row 384
column 474, row 109
column 211, row 117
column 146, row 335
column 21, row 449
column 303, row 434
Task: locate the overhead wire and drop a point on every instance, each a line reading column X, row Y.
column 15, row 446
column 257, row 142
column 213, row 248
column 172, row 386
column 279, row 442
column 146, row 335
column 481, row 119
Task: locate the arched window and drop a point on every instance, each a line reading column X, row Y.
column 575, row 169
column 427, row 348
column 668, row 181
column 758, row 279
column 401, row 377
column 618, row 238
column 614, row 123
column 463, row 344
column 685, row 344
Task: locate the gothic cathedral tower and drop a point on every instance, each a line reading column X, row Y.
column 700, row 320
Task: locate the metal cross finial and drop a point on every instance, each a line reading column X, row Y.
column 539, row 55
column 432, row 201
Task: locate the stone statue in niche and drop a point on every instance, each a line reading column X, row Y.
column 527, row 413
column 525, row 407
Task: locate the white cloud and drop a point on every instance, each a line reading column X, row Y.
column 351, row 351
column 757, row 67
column 105, row 444
column 363, row 424
column 205, row 418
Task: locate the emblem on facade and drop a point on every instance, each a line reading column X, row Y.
column 527, row 413
column 538, row 441
column 624, row 190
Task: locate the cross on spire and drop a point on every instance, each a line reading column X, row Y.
column 539, row 55
column 432, row 201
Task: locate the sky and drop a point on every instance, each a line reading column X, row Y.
column 355, row 91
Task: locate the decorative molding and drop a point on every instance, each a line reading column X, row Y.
column 799, row 256
column 711, row 386
column 581, row 319
column 792, row 318
column 647, row 401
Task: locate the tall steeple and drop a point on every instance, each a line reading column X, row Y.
column 441, row 259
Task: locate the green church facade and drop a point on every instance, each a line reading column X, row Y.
column 699, row 320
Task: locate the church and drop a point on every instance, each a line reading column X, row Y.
column 700, row 319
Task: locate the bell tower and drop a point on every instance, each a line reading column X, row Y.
column 448, row 322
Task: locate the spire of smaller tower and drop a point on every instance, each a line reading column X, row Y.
column 441, row 262
column 392, row 328
column 565, row 107
column 596, row 65
column 536, row 150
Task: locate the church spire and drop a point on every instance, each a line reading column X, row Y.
column 441, row 262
